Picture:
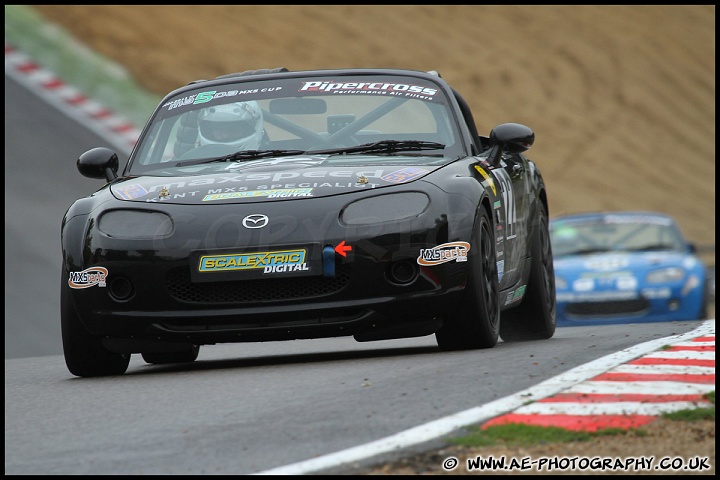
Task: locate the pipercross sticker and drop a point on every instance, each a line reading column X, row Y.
column 367, row 87
column 447, row 252
column 88, row 278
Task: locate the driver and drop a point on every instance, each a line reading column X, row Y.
column 239, row 125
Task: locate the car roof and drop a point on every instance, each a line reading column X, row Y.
column 282, row 72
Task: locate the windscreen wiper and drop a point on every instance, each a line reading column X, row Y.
column 384, row 146
column 652, row 248
column 242, row 155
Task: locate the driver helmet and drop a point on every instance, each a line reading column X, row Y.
column 239, row 125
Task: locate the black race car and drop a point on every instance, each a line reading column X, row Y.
column 276, row 205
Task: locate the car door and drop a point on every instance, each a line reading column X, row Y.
column 512, row 217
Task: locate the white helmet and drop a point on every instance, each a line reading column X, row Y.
column 239, row 125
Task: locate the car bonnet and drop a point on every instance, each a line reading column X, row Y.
column 266, row 181
column 617, row 262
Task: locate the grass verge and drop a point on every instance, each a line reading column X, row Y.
column 97, row 77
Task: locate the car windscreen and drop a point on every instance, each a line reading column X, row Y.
column 617, row 233
column 289, row 116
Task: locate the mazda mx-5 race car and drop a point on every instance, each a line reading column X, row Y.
column 276, row 205
column 625, row 267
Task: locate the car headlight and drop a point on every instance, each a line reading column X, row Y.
column 670, row 274
column 560, row 283
column 385, row 208
column 135, row 224
column 691, row 283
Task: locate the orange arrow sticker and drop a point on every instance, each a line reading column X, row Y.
column 342, row 249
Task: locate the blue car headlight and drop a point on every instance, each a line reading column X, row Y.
column 664, row 275
column 691, row 283
column 135, row 224
column 385, row 208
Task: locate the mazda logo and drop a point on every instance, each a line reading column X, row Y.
column 256, row 220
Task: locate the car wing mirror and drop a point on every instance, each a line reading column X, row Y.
column 99, row 162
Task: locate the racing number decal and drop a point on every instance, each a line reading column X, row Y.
column 509, row 199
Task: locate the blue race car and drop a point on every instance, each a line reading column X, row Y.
column 625, row 267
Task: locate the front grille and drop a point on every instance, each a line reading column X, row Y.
column 254, row 291
column 608, row 308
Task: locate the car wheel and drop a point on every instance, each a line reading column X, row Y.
column 534, row 318
column 476, row 322
column 184, row 356
column 84, row 353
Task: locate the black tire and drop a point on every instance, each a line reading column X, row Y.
column 185, row 356
column 84, row 353
column 534, row 318
column 476, row 323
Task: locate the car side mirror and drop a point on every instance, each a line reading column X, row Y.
column 509, row 138
column 99, row 162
